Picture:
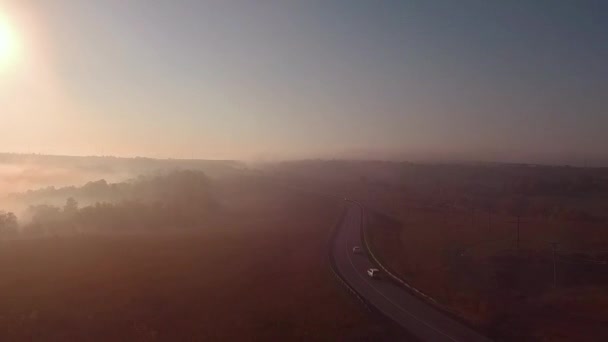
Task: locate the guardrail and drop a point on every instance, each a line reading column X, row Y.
column 372, row 310
column 396, row 279
column 388, row 272
column 332, row 266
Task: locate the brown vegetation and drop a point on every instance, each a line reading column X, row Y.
column 507, row 292
column 451, row 231
column 256, row 271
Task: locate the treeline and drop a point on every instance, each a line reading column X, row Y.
column 554, row 192
column 142, row 187
column 180, row 199
column 481, row 178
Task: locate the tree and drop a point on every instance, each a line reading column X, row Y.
column 70, row 209
column 44, row 218
column 8, row 223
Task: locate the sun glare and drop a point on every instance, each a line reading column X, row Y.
column 9, row 44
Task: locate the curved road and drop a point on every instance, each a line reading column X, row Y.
column 410, row 312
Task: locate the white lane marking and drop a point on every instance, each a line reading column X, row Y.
column 388, row 299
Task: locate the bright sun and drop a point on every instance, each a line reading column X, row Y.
column 9, row 43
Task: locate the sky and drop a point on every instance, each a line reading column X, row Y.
column 518, row 80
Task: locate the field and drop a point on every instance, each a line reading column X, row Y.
column 258, row 271
column 471, row 262
column 452, row 232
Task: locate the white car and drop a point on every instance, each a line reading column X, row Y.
column 357, row 250
column 373, row 273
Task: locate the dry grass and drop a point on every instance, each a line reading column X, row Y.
column 508, row 294
column 442, row 240
column 259, row 273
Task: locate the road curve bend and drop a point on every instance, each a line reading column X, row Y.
column 410, row 312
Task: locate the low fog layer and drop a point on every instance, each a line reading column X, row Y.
column 178, row 199
column 33, row 179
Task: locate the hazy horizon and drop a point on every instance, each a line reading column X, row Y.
column 346, row 157
column 413, row 81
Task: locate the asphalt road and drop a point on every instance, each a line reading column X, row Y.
column 413, row 314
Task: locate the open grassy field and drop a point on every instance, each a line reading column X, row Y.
column 451, row 231
column 470, row 263
column 257, row 272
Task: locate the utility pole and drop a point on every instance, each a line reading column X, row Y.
column 489, row 221
column 472, row 217
column 554, row 247
column 518, row 234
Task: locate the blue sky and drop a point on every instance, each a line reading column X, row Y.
column 423, row 80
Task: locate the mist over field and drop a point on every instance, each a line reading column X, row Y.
column 17, row 176
column 22, row 173
column 28, row 175
column 147, row 257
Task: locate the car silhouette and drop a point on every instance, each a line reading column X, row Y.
column 373, row 273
